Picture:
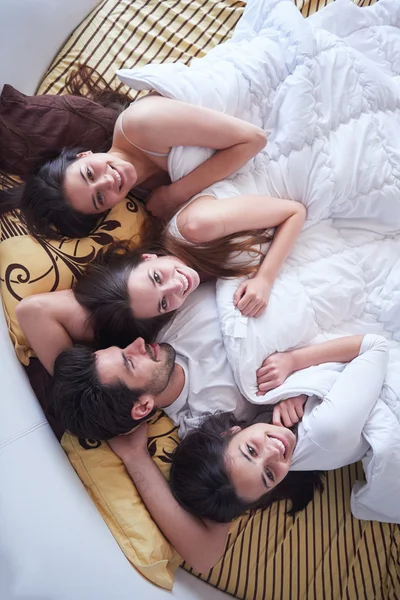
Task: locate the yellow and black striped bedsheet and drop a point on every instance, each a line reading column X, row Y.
column 321, row 554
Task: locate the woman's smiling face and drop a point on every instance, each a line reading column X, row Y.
column 96, row 182
column 258, row 458
column 159, row 285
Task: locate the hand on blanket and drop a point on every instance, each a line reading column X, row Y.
column 252, row 296
column 131, row 445
column 163, row 202
column 274, row 371
column 290, row 411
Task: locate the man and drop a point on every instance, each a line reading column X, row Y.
column 102, row 394
column 106, row 393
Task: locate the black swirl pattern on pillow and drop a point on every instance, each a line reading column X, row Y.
column 17, row 273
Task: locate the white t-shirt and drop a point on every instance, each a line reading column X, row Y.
column 330, row 434
column 195, row 334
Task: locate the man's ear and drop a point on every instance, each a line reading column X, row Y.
column 82, row 154
column 231, row 431
column 142, row 407
column 149, row 256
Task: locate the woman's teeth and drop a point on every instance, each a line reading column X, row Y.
column 279, row 444
column 184, row 281
column 118, row 176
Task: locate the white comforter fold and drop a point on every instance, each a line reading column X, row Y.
column 327, row 92
column 325, row 89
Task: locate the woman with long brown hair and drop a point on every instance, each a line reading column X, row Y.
column 126, row 293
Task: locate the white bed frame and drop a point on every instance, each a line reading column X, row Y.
column 53, row 543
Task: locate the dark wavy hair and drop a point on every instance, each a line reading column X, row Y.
column 41, row 197
column 84, row 406
column 43, row 204
column 103, row 292
column 201, row 484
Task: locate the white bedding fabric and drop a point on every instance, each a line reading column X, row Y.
column 327, row 91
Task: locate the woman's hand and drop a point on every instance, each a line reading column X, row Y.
column 274, row 371
column 290, row 411
column 164, row 201
column 132, row 445
column 252, row 296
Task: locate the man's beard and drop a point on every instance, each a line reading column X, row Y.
column 165, row 371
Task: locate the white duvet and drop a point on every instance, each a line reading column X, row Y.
column 327, row 92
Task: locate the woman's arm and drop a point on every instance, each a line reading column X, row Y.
column 277, row 367
column 200, row 544
column 50, row 322
column 173, row 123
column 344, row 411
column 208, row 219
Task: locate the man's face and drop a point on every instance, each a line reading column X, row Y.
column 139, row 366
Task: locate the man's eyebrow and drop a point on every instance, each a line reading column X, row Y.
column 87, row 183
column 252, row 461
column 154, row 284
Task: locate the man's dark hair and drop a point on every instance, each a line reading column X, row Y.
column 201, row 483
column 83, row 405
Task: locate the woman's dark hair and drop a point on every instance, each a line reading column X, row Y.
column 201, row 483
column 41, row 197
column 103, row 291
column 86, row 82
column 43, row 201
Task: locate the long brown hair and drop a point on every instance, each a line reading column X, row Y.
column 88, row 83
column 212, row 258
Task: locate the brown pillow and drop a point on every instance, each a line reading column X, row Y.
column 32, row 127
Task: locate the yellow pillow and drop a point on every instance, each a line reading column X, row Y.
column 31, row 266
column 120, row 505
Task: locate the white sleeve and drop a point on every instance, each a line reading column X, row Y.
column 344, row 410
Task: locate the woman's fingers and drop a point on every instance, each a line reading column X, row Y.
column 239, row 292
column 300, row 411
column 276, row 415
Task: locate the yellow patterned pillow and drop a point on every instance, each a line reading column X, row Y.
column 120, row 505
column 32, row 266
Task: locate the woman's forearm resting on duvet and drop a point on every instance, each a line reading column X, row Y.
column 219, row 166
column 283, row 241
column 342, row 349
column 344, row 410
column 277, row 367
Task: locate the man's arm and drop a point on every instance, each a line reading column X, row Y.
column 50, row 323
column 199, row 543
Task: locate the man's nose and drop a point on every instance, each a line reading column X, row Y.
column 137, row 347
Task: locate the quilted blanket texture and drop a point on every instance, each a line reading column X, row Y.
column 327, row 92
